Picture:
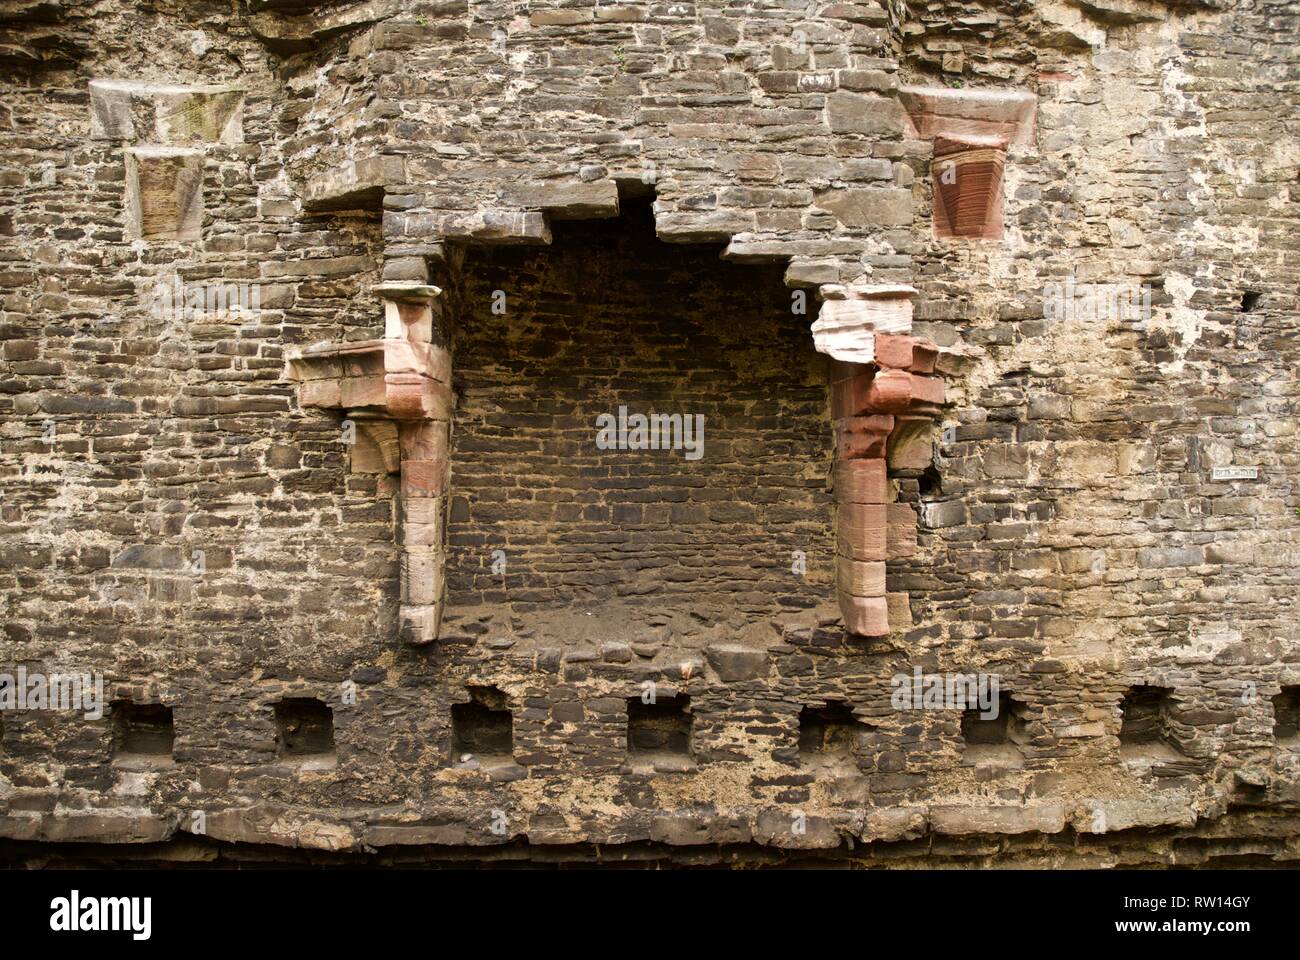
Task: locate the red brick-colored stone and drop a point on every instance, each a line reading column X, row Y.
column 860, row 578
column 924, row 356
column 424, row 478
column 865, row 616
column 894, row 350
column 860, row 481
column 861, row 531
column 862, row 437
column 850, row 383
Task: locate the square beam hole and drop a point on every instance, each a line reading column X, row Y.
column 1145, row 732
column 995, row 740
column 142, row 732
column 1286, row 717
column 482, row 731
column 304, row 730
column 660, row 731
column 829, row 736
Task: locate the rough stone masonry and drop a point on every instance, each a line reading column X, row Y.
column 309, row 312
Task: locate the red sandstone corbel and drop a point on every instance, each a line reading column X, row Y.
column 1004, row 117
column 972, row 129
column 405, row 379
column 882, row 408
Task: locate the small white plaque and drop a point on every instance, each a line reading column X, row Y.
column 1234, row 473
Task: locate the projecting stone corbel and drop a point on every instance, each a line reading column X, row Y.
column 289, row 27
column 355, row 185
column 376, row 448
column 166, row 129
column 972, row 130
column 398, row 392
column 166, row 113
column 884, row 397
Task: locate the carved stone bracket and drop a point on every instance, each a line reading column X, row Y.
column 397, row 389
column 166, row 130
column 972, row 131
column 884, row 397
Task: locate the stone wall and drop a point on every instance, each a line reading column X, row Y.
column 179, row 519
column 608, row 317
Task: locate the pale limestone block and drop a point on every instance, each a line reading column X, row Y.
column 164, row 193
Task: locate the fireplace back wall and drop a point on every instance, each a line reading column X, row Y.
column 609, row 316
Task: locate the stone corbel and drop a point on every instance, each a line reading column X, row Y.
column 884, row 397
column 398, row 392
column 973, row 131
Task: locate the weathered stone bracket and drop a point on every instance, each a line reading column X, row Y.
column 985, row 116
column 400, row 384
column 972, row 131
column 884, row 396
column 169, row 126
column 166, row 113
column 968, row 192
column 353, row 185
column 290, row 27
column 164, row 193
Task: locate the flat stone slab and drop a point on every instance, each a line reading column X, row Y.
column 166, row 113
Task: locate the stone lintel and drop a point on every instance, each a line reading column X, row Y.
column 564, row 199
column 406, row 231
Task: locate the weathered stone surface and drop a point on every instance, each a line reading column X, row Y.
column 164, row 193
column 968, row 192
column 860, row 578
column 701, row 226
column 293, row 29
column 1047, row 818
column 864, row 616
column 845, row 328
column 566, row 201
column 173, row 114
column 860, row 530
column 796, row 832
column 1004, row 118
column 869, row 206
column 185, row 515
column 737, row 663
column 862, row 438
column 864, row 114
column 911, row 444
column 861, row 481
column 356, row 184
